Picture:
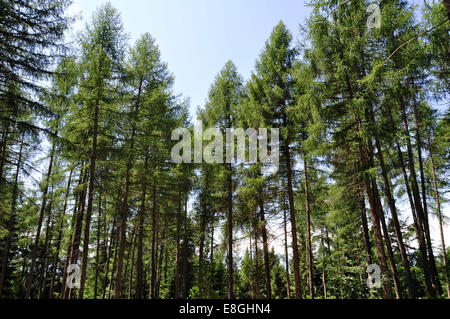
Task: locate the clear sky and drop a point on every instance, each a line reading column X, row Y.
column 197, row 37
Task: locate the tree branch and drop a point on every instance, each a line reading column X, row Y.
column 412, row 39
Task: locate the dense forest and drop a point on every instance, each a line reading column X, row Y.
column 93, row 207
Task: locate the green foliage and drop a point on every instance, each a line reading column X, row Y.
column 362, row 144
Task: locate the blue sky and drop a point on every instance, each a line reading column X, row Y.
column 197, row 37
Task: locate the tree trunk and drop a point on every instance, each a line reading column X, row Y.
column 38, row 231
column 365, row 227
column 230, row 232
column 58, row 242
column 295, row 256
column 110, row 247
column 265, row 247
column 47, row 242
column 309, row 256
column 131, row 252
column 324, row 282
column 114, row 265
column 11, row 221
column 378, row 241
column 124, row 212
column 417, row 201
column 64, row 291
column 122, row 235
column 185, row 251
column 211, row 258
column 286, row 253
column 417, row 226
column 177, row 253
column 201, row 248
column 130, row 282
column 5, row 135
column 97, row 253
column 161, row 253
column 87, row 226
column 412, row 290
column 379, row 209
column 387, row 238
column 375, row 216
column 78, row 227
column 141, row 214
column 441, row 230
column 256, row 263
column 434, row 273
column 152, row 254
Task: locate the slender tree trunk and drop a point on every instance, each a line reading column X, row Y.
column 256, row 263
column 211, row 258
column 434, row 273
column 286, row 253
column 161, row 252
column 295, row 256
column 130, row 282
column 92, row 160
column 24, row 262
column 252, row 279
column 185, row 251
column 110, row 247
column 378, row 241
column 412, row 292
column 324, row 282
column 379, row 209
column 131, row 252
column 122, row 235
column 177, row 252
column 201, row 249
column 60, row 233
column 38, row 231
column 78, row 227
column 230, row 232
column 309, row 256
column 102, row 274
column 141, row 213
column 153, row 253
column 5, row 135
column 64, row 291
column 114, row 265
column 339, row 255
column 166, row 260
column 375, row 216
column 265, row 246
column 417, row 226
column 396, row 280
column 441, row 230
column 124, row 212
column 417, row 201
column 97, row 253
column 47, row 242
column 11, row 221
column 365, row 227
